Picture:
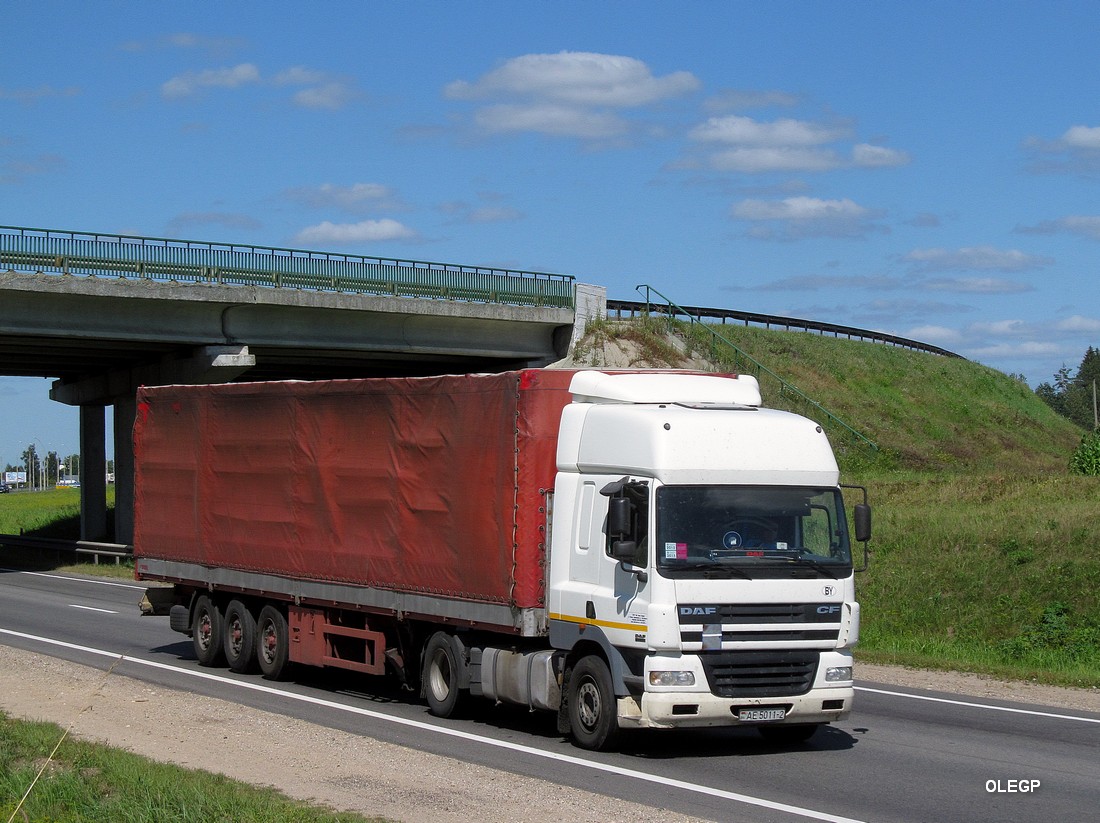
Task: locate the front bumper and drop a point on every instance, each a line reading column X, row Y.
column 692, row 709
column 665, row 708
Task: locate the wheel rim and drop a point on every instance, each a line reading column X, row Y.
column 439, row 676
column 589, row 705
column 205, row 635
column 236, row 635
column 268, row 642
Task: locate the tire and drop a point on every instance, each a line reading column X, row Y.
column 206, row 632
column 593, row 707
column 789, row 734
column 240, row 637
column 440, row 677
column 273, row 643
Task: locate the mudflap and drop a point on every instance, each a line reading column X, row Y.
column 158, row 600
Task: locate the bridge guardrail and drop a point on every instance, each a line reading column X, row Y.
column 787, row 323
column 191, row 261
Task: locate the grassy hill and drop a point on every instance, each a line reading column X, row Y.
column 986, row 554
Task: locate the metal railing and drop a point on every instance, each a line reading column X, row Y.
column 768, row 321
column 117, row 551
column 192, row 261
column 722, row 345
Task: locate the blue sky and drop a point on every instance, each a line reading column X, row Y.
column 927, row 169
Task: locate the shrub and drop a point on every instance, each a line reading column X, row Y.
column 1086, row 460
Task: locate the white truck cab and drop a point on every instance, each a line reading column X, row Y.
column 700, row 566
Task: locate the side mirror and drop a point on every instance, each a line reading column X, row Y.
column 624, row 550
column 619, row 512
column 863, row 522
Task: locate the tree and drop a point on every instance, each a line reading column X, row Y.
column 1072, row 395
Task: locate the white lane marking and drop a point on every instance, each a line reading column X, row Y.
column 980, row 705
column 417, row 724
column 91, row 609
column 79, row 579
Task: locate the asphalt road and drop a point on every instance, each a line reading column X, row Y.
column 903, row 755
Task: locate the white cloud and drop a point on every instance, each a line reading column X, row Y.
column 867, row 156
column 1030, row 348
column 1002, row 328
column 937, row 335
column 332, row 95
column 735, row 143
column 1082, row 137
column 577, row 78
column 298, row 76
column 977, row 285
column 213, row 46
column 1083, row 225
column 746, row 131
column 798, row 208
column 774, row 158
column 1077, row 323
column 366, row 231
column 799, row 217
column 554, row 120
column 1077, row 151
column 321, row 90
column 190, row 83
column 569, row 94
column 981, row 258
column 357, row 197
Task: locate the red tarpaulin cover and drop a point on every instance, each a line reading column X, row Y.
column 427, row 485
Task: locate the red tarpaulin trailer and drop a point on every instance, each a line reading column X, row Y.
column 431, row 485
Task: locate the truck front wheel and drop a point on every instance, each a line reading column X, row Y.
column 206, row 631
column 592, row 705
column 440, row 676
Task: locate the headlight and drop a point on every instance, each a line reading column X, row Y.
column 836, row 674
column 672, row 678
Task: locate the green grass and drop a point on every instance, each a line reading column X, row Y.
column 986, row 550
column 53, row 513
column 50, row 513
column 89, row 782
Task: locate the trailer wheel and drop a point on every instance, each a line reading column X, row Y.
column 593, row 715
column 441, row 676
column 240, row 637
column 272, row 643
column 206, row 632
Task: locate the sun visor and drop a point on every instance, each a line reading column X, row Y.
column 665, row 387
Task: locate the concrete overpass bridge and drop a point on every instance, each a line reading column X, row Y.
column 104, row 314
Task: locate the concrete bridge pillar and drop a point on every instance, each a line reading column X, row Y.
column 93, row 474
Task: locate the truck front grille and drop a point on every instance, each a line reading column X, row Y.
column 760, row 674
column 710, row 628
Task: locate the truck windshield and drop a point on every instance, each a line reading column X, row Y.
column 745, row 529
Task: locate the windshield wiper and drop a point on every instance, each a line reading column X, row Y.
column 711, row 569
column 821, row 567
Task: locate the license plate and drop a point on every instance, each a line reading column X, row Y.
column 755, row 715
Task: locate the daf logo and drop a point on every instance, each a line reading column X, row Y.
column 698, row 610
column 828, row 609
